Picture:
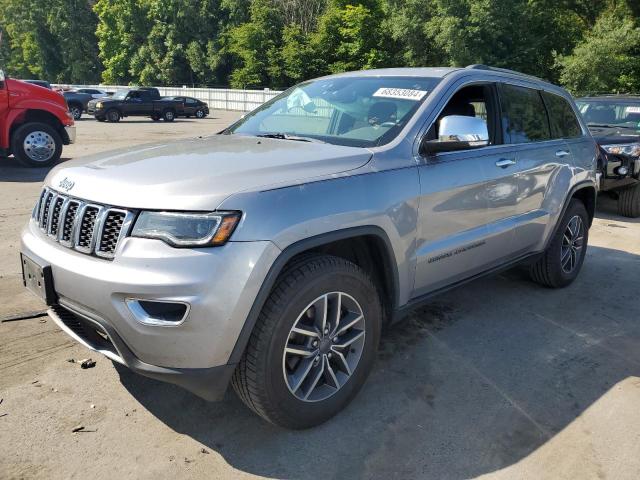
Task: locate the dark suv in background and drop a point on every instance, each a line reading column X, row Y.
column 614, row 121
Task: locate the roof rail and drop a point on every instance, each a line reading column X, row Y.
column 480, row 66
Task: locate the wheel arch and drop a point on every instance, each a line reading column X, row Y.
column 40, row 116
column 585, row 192
column 367, row 246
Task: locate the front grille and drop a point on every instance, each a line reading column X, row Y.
column 87, row 227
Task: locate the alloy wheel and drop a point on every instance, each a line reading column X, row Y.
column 572, row 244
column 324, row 347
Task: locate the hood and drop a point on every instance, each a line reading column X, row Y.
column 23, row 91
column 198, row 174
column 614, row 135
column 102, row 99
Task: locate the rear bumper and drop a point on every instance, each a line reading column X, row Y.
column 96, row 334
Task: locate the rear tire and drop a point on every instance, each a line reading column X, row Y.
column 304, row 390
column 36, row 145
column 113, row 116
column 629, row 201
column 561, row 262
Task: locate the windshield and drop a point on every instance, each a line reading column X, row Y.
column 611, row 113
column 354, row 111
column 120, row 94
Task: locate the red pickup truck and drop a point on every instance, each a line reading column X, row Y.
column 34, row 123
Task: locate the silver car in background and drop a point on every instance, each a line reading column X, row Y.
column 270, row 256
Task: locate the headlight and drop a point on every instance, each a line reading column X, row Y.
column 632, row 149
column 99, row 105
column 187, row 229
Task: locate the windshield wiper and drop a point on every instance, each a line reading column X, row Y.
column 286, row 136
column 608, row 125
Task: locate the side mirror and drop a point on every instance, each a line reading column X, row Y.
column 458, row 132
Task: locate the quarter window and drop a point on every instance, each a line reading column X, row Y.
column 524, row 118
column 564, row 123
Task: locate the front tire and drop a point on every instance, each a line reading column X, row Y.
column 200, row 113
column 313, row 345
column 36, row 145
column 629, row 201
column 113, row 116
column 561, row 262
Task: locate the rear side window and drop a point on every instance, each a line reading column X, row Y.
column 524, row 118
column 564, row 123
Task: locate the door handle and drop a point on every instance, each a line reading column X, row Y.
column 505, row 162
column 561, row 153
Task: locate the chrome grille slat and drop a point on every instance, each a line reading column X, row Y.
column 44, row 213
column 112, row 224
column 54, row 215
column 86, row 226
column 89, row 228
column 69, row 216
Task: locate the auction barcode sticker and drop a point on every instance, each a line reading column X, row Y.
column 403, row 93
column 632, row 110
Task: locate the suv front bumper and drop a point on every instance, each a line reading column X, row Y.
column 219, row 285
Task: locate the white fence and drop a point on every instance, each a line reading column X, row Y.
column 217, row 98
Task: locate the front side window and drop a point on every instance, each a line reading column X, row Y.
column 524, row 118
column 191, row 101
column 353, row 111
column 564, row 123
column 120, row 95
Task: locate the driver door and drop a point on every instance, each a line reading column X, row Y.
column 461, row 230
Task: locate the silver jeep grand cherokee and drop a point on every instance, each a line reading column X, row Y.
column 271, row 255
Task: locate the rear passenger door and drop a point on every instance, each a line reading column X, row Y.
column 565, row 124
column 539, row 156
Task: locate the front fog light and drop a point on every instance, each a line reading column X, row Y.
column 158, row 313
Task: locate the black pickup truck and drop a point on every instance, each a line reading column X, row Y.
column 614, row 122
column 141, row 102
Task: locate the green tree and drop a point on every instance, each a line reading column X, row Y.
column 122, row 27
column 608, row 60
column 52, row 40
column 255, row 46
column 352, row 37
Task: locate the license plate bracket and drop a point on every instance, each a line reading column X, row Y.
column 38, row 280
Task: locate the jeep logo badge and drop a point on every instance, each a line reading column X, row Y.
column 66, row 184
